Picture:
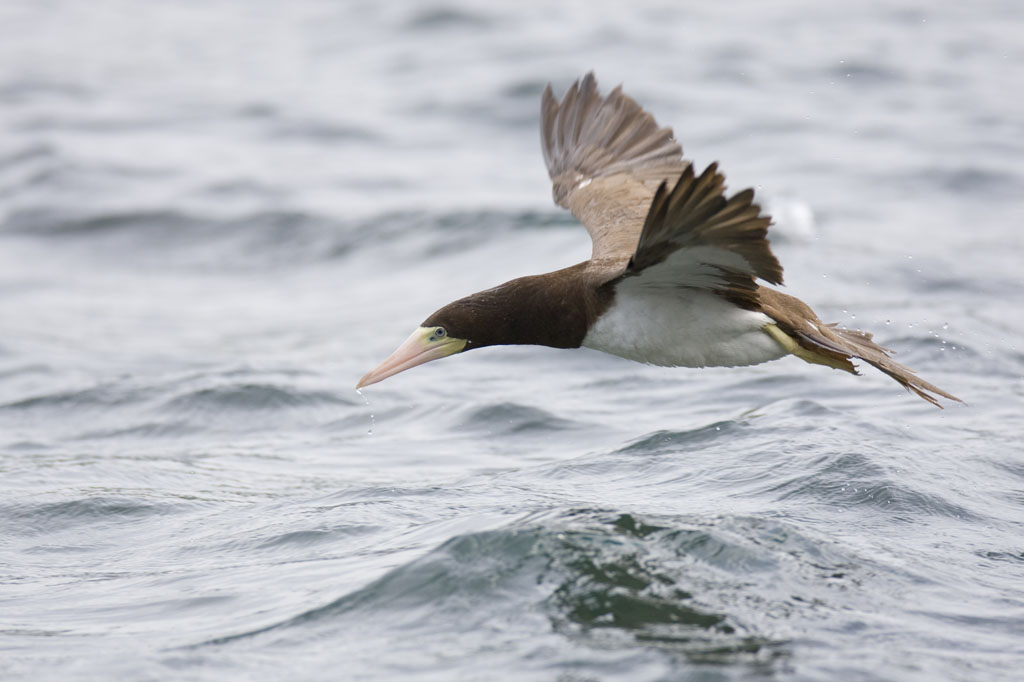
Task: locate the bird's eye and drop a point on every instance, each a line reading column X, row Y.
column 440, row 332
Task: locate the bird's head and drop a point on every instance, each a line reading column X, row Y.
column 529, row 310
column 448, row 331
column 425, row 344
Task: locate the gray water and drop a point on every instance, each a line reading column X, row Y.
column 216, row 216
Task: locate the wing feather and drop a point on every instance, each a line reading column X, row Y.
column 625, row 179
column 606, row 156
column 694, row 236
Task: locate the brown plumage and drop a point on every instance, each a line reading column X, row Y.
column 604, row 156
column 672, row 278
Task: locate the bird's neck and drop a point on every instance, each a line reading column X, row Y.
column 554, row 309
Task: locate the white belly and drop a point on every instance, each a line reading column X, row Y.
column 682, row 328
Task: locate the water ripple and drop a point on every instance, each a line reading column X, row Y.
column 250, row 397
column 53, row 517
column 506, row 419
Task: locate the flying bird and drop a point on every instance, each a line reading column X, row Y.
column 672, row 277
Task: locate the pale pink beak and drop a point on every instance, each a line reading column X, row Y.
column 416, row 350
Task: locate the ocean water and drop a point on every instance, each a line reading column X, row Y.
column 216, row 216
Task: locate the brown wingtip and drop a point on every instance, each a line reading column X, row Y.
column 586, row 135
column 696, row 209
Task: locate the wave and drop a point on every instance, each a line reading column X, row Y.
column 146, row 409
column 506, row 419
column 28, row 519
column 250, row 397
column 269, row 238
column 852, row 479
column 599, row 578
column 103, row 396
column 251, row 404
column 243, row 394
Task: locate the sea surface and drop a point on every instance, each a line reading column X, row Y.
column 215, row 216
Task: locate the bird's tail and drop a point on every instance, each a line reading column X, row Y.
column 798, row 330
column 833, row 346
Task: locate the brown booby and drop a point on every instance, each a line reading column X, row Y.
column 672, row 276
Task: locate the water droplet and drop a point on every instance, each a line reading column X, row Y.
column 373, row 421
column 945, row 325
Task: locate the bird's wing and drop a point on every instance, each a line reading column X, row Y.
column 694, row 236
column 606, row 157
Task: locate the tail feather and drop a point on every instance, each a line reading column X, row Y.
column 800, row 331
column 878, row 356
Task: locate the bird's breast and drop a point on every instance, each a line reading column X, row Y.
column 680, row 327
